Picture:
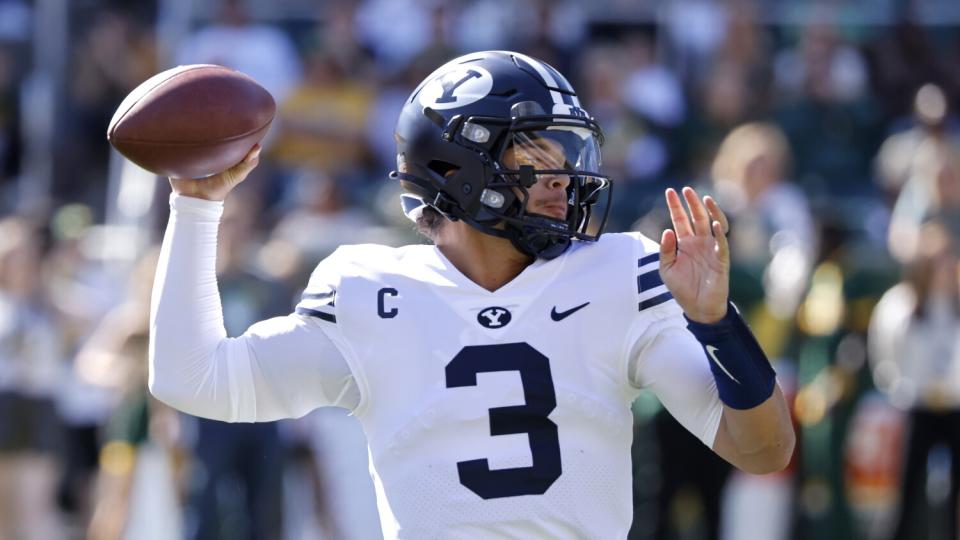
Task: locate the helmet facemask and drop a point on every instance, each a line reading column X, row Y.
column 520, row 153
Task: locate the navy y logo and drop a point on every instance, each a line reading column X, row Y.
column 457, row 87
column 494, row 317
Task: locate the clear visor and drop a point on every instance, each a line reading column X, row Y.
column 554, row 148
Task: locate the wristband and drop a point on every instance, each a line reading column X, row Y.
column 744, row 376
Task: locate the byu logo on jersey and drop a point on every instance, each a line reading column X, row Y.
column 494, row 317
column 457, row 87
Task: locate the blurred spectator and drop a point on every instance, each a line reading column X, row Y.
column 320, row 124
column 772, row 232
column 385, row 109
column 262, row 51
column 30, row 376
column 396, row 30
column 643, row 112
column 907, row 56
column 323, row 219
column 631, row 154
column 824, row 108
column 237, row 469
column 729, row 89
column 82, row 292
column 335, row 36
column 915, row 347
column 545, row 29
column 823, row 66
column 747, row 44
column 933, row 191
column 721, row 103
column 114, row 359
column 651, row 89
column 114, row 54
column 931, row 116
column 694, row 29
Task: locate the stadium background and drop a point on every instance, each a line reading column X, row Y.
column 847, row 161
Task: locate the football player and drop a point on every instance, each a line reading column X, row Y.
column 492, row 371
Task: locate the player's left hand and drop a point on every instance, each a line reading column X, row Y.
column 695, row 256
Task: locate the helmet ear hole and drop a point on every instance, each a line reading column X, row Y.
column 442, row 168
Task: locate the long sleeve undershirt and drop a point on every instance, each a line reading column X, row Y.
column 279, row 368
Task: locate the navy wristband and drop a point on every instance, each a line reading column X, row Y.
column 744, row 376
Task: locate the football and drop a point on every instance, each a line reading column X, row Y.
column 191, row 121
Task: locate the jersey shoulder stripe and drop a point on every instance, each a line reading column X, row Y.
column 319, row 299
column 655, row 301
column 329, row 317
column 651, row 291
column 325, row 295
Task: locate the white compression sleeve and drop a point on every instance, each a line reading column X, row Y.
column 282, row 367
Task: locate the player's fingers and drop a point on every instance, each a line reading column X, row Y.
column 216, row 187
column 668, row 248
column 716, row 213
column 253, row 154
column 238, row 173
column 248, row 163
column 678, row 214
column 723, row 247
column 701, row 221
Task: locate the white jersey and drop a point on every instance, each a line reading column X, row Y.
column 499, row 414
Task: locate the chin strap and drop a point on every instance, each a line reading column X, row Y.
column 538, row 243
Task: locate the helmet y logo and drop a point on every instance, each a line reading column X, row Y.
column 456, row 88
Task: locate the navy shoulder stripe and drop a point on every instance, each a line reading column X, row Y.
column 655, row 301
column 329, row 317
column 328, row 296
column 648, row 281
column 647, row 259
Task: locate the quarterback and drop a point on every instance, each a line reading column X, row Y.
column 493, row 370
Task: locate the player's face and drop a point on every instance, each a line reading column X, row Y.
column 548, row 196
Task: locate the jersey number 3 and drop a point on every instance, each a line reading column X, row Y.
column 530, row 418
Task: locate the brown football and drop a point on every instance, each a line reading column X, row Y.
column 191, row 121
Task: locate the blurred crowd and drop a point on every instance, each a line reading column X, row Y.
column 829, row 136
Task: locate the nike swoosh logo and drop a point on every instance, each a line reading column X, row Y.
column 712, row 351
column 561, row 315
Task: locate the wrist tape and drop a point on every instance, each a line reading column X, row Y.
column 744, row 376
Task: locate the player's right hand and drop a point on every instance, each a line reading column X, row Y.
column 216, row 187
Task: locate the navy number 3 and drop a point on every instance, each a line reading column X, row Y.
column 530, row 418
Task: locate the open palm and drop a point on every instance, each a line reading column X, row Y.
column 695, row 257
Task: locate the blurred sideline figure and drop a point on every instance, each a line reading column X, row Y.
column 125, row 502
column 31, row 372
column 914, row 343
column 931, row 192
column 899, row 152
column 773, row 237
